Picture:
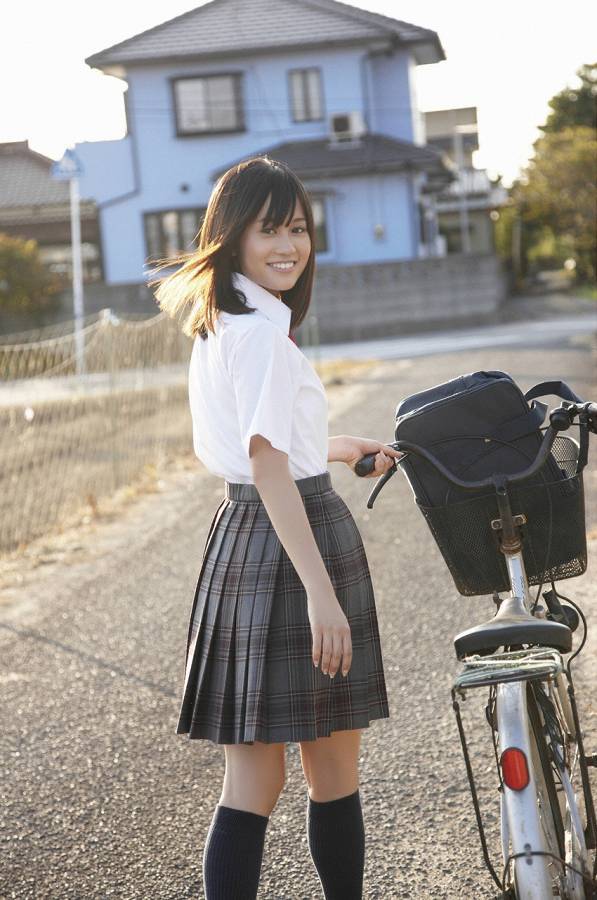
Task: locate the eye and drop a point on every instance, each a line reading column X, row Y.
column 271, row 228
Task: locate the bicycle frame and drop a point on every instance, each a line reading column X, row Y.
column 522, row 831
column 522, row 827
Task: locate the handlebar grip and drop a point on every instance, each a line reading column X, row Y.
column 365, row 465
column 591, row 409
column 560, row 419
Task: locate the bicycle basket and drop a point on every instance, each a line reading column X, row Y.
column 469, row 545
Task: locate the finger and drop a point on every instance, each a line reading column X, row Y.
column 346, row 653
column 382, row 462
column 378, row 467
column 336, row 653
column 327, row 652
column 316, row 651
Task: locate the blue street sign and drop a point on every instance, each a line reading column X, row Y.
column 67, row 167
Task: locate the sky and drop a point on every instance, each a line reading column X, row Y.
column 507, row 59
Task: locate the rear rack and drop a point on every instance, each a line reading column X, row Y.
column 514, row 665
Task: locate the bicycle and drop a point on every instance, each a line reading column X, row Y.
column 547, row 835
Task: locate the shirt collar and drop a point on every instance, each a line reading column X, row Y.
column 274, row 309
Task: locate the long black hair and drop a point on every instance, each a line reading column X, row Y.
column 204, row 279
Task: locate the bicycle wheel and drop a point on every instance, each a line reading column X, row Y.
column 549, row 802
column 576, row 854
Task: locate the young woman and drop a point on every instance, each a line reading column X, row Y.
column 283, row 642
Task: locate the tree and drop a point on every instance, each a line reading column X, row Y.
column 574, row 106
column 25, row 283
column 558, row 193
column 552, row 211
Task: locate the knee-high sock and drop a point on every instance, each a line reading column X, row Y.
column 233, row 854
column 336, row 836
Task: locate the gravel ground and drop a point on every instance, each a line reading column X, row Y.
column 101, row 799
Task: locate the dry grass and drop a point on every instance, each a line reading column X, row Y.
column 67, row 536
column 336, row 371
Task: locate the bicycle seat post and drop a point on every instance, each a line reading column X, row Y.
column 510, row 541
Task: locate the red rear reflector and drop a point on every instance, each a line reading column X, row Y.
column 515, row 771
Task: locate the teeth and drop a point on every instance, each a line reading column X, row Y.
column 281, row 266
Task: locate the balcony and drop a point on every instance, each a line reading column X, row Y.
column 475, row 186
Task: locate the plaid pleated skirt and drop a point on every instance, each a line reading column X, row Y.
column 249, row 674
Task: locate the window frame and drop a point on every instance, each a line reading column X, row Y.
column 303, row 70
column 149, row 257
column 238, row 90
column 321, row 198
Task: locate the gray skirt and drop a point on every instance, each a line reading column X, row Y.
column 249, row 674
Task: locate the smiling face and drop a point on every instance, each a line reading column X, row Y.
column 261, row 246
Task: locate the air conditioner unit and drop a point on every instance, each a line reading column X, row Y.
column 346, row 126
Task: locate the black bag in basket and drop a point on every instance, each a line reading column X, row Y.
column 477, row 425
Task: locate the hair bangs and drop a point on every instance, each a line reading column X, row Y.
column 283, row 195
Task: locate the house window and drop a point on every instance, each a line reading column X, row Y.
column 320, row 222
column 453, row 236
column 208, row 104
column 306, row 100
column 173, row 231
column 58, row 258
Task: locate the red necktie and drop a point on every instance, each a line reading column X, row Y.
column 293, row 339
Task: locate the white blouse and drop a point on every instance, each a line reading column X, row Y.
column 251, row 378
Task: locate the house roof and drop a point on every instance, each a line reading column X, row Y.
column 320, row 158
column 230, row 27
column 29, row 192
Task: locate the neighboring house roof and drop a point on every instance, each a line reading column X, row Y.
column 28, row 192
column 320, row 158
column 231, row 27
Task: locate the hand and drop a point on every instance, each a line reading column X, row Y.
column 330, row 630
column 350, row 450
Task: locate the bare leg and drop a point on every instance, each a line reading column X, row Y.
column 233, row 854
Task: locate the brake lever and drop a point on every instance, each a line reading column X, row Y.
column 366, row 464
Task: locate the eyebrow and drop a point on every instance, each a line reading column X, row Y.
column 297, row 219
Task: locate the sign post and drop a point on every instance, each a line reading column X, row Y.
column 68, row 169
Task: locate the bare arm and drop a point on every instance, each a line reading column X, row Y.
column 284, row 506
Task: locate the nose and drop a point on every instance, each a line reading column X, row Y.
column 284, row 244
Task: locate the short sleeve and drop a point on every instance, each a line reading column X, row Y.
column 265, row 385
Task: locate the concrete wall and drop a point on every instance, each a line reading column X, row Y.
column 350, row 302
column 386, row 299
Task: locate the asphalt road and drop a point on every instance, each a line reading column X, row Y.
column 99, row 797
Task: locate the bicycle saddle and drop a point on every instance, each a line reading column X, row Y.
column 512, row 625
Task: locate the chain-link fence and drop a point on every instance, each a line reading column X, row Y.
column 82, row 412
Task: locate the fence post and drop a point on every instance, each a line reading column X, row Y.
column 110, row 365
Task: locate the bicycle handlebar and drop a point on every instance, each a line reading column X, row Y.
column 560, row 419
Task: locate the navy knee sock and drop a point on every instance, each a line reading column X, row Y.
column 233, row 854
column 336, row 836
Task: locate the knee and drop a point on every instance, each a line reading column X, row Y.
column 260, row 795
column 254, row 784
column 324, row 783
column 330, row 766
column 329, row 779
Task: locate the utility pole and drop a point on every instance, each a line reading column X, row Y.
column 458, row 131
column 68, row 169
